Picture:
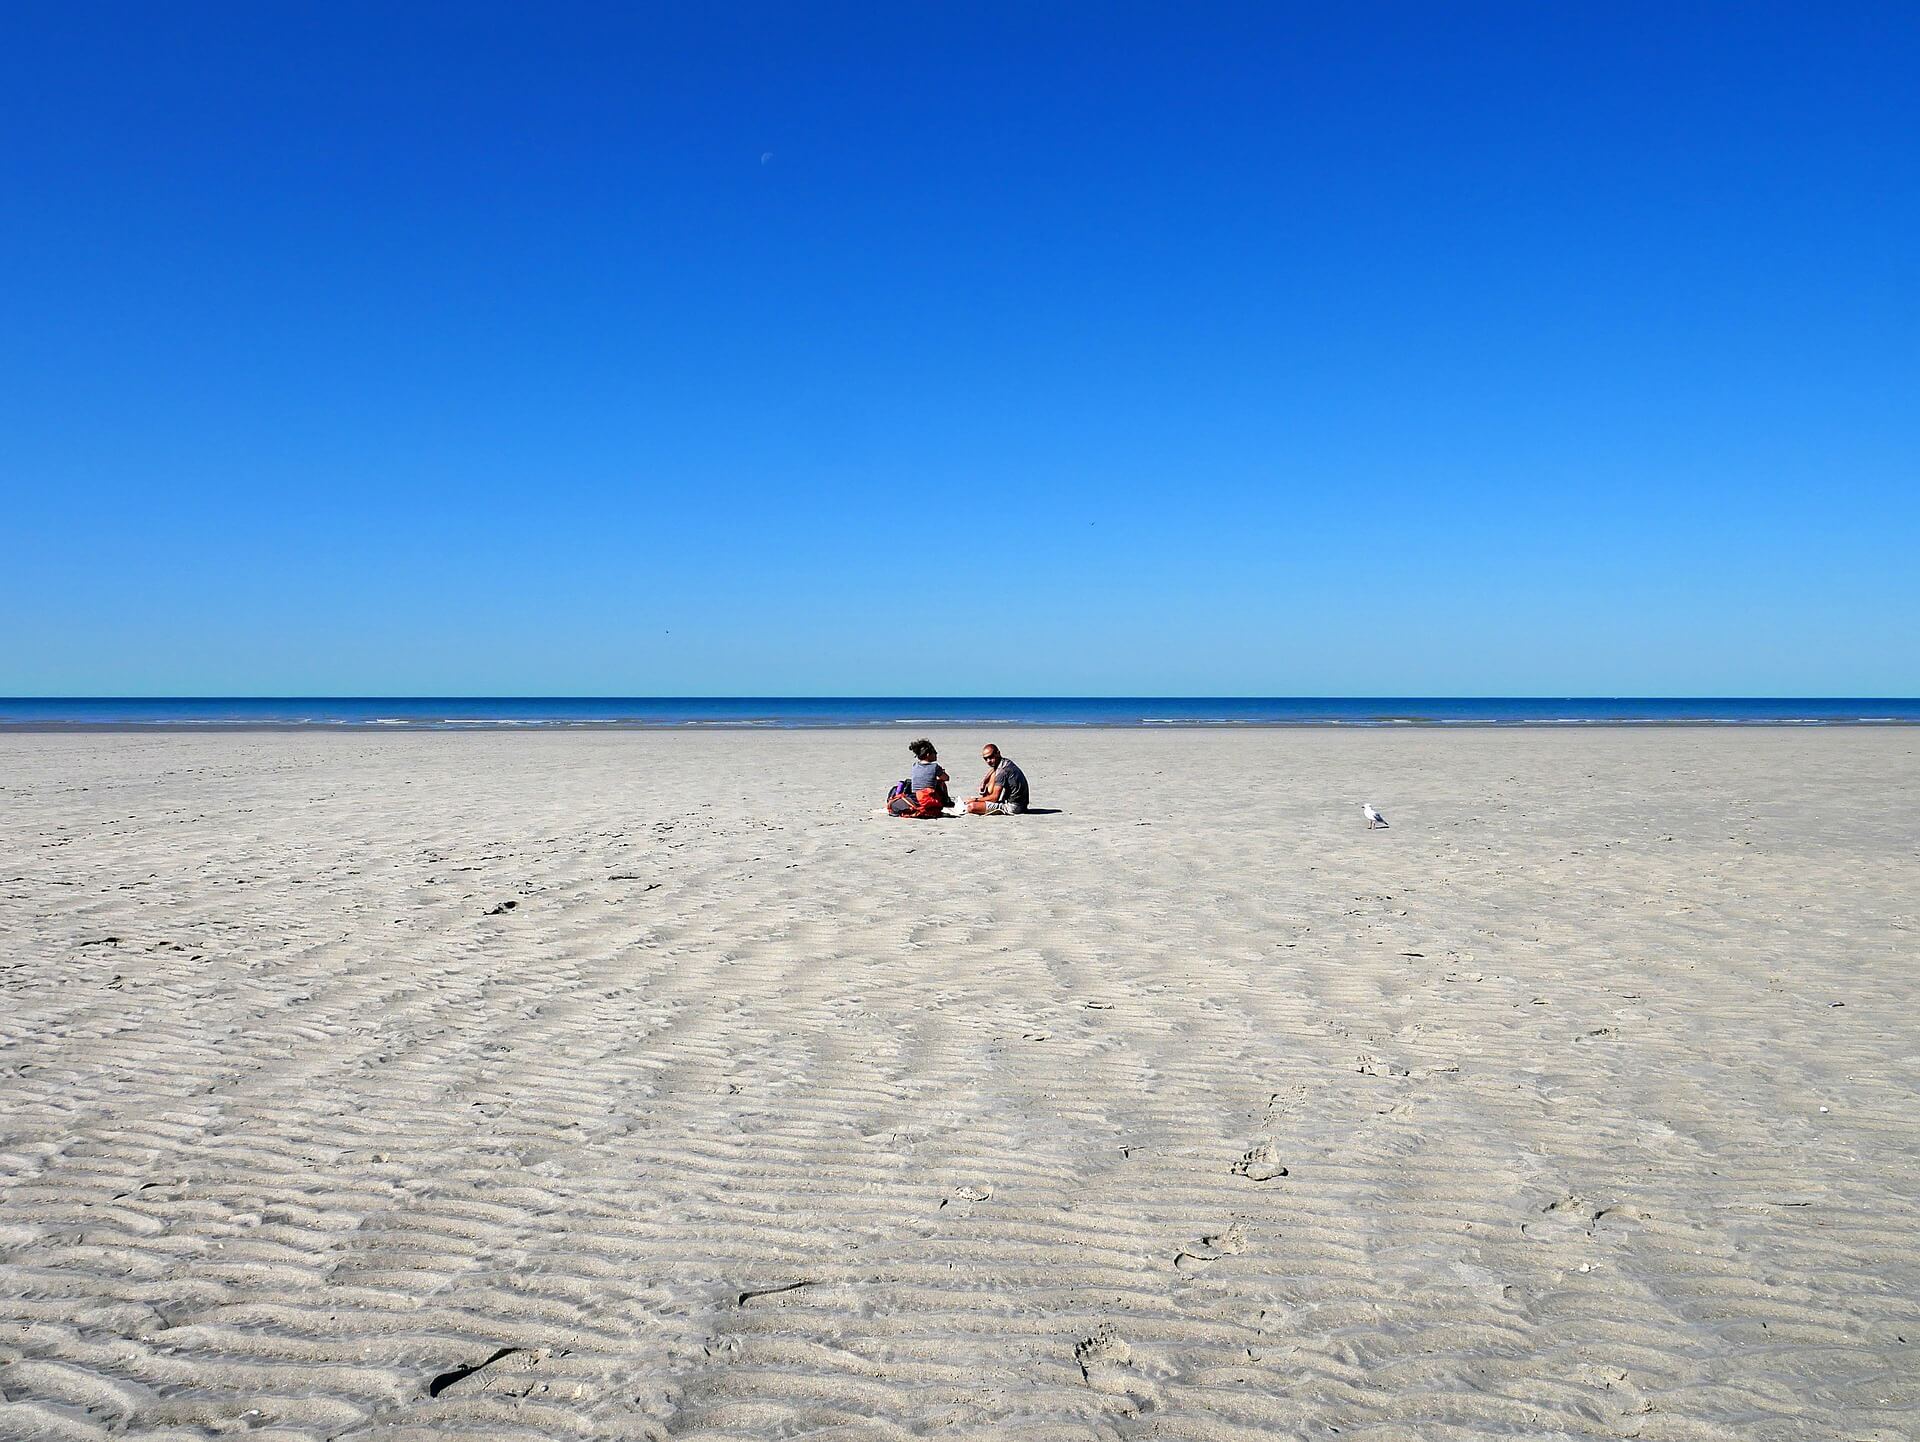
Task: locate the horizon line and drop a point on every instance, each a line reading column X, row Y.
column 955, row 696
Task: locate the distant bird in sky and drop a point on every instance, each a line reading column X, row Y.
column 1374, row 818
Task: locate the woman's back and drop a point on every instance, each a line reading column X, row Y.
column 926, row 774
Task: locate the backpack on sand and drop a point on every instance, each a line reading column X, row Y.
column 903, row 800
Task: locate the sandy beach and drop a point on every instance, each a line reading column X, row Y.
column 639, row 1085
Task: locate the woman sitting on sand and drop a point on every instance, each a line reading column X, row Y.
column 927, row 771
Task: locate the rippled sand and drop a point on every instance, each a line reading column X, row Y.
column 641, row 1086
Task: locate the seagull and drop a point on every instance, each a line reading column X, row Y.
column 1374, row 818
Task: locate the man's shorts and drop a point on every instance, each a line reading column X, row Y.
column 1003, row 808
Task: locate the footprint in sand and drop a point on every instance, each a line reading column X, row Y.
column 1368, row 1065
column 509, row 1372
column 1106, row 1365
column 1565, row 1216
column 1262, row 1164
column 1282, row 1102
column 1229, row 1243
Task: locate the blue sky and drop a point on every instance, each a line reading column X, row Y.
column 984, row 349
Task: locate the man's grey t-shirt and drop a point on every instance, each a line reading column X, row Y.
column 1013, row 784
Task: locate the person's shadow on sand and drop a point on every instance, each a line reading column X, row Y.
column 1030, row 811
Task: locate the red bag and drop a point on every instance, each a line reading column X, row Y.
column 923, row 803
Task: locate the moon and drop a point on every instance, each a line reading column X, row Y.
column 765, row 156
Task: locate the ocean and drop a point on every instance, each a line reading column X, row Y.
column 455, row 713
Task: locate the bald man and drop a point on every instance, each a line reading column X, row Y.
column 1004, row 791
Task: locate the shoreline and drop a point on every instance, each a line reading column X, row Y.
column 114, row 714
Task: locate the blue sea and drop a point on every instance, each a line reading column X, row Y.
column 461, row 713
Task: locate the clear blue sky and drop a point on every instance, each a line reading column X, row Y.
column 977, row 349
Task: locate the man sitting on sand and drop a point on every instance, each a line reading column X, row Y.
column 1004, row 791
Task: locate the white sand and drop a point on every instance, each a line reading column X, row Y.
column 1593, row 1079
